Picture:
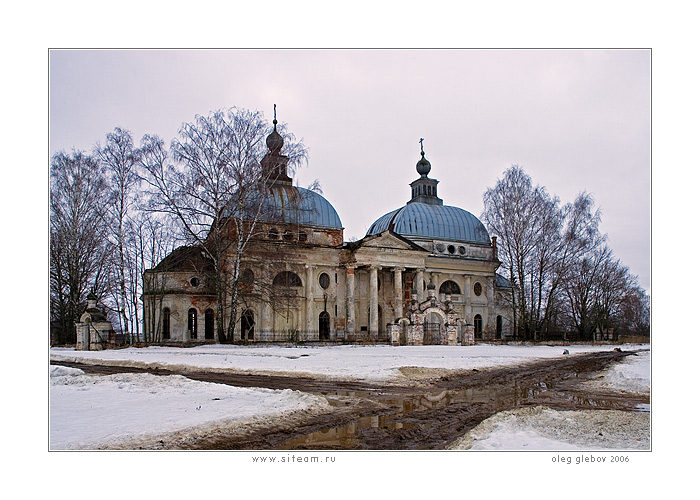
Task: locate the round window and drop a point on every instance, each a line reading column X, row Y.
column 462, row 250
column 451, row 248
column 477, row 289
column 247, row 277
column 194, row 281
column 273, row 234
column 324, row 280
column 440, row 247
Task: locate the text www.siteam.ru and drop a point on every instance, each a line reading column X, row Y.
column 293, row 459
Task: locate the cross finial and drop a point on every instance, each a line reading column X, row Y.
column 275, row 109
column 421, row 144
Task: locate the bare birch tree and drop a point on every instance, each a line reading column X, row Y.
column 79, row 246
column 213, row 184
column 120, row 158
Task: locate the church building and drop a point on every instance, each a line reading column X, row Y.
column 424, row 273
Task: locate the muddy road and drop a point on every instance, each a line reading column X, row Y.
column 427, row 414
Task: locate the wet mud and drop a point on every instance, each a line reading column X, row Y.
column 423, row 414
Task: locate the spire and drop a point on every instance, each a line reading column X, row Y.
column 424, row 189
column 274, row 140
column 274, row 164
column 423, row 165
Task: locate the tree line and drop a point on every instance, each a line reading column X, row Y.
column 565, row 278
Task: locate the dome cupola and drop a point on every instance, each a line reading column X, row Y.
column 425, row 216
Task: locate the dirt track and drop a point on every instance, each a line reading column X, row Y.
column 428, row 415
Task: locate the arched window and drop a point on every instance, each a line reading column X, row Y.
column 192, row 322
column 286, row 279
column 449, row 287
column 478, row 325
column 166, row 323
column 324, row 326
column 247, row 325
column 209, row 324
column 499, row 327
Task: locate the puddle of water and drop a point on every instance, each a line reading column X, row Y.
column 344, row 437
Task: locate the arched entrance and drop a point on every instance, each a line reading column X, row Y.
column 433, row 327
column 247, row 325
column 478, row 326
column 209, row 324
column 324, row 326
column 192, row 322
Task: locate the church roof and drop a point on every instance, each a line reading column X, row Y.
column 432, row 221
column 297, row 205
column 426, row 216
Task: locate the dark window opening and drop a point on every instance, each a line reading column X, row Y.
column 478, row 326
column 499, row 327
column 209, row 324
column 288, row 236
column 247, row 277
column 477, row 289
column 302, row 236
column 166, row 323
column 247, row 325
column 273, row 234
column 286, row 279
column 324, row 280
column 194, row 281
column 449, row 287
column 324, row 326
column 192, row 322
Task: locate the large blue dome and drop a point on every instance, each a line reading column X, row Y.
column 288, row 204
column 432, row 221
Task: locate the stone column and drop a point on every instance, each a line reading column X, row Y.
column 373, row 303
column 419, row 284
column 491, row 303
column 266, row 311
column 350, row 302
column 398, row 292
column 468, row 300
column 309, row 334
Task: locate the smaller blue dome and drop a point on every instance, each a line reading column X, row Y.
column 432, row 221
column 296, row 205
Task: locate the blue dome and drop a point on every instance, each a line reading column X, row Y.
column 296, row 205
column 432, row 221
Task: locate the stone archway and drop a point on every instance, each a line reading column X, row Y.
column 434, row 321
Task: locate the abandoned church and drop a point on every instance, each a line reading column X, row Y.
column 424, row 273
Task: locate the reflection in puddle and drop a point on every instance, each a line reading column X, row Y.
column 344, row 437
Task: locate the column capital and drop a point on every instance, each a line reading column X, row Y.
column 398, row 269
column 310, row 266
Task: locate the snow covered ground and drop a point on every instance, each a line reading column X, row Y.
column 374, row 363
column 87, row 412
column 90, row 411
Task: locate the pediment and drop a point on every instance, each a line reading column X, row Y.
column 388, row 240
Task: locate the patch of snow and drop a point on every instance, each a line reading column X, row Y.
column 543, row 429
column 87, row 411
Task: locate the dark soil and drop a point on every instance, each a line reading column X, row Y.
column 390, row 417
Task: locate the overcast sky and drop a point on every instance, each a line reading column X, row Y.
column 575, row 120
